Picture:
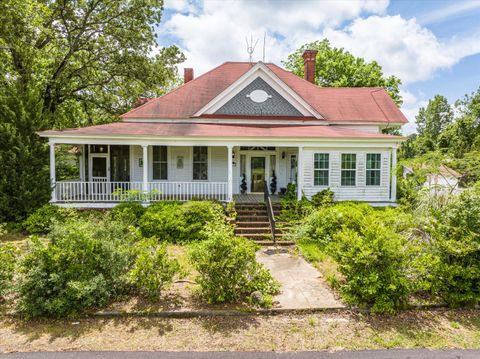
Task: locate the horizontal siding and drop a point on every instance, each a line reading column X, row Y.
column 359, row 192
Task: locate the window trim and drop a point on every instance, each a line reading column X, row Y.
column 375, row 169
column 208, row 163
column 328, row 169
column 355, row 170
column 152, row 161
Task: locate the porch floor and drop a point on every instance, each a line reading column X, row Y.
column 254, row 198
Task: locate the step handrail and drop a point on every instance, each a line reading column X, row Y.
column 271, row 215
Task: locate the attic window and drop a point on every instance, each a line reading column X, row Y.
column 259, row 96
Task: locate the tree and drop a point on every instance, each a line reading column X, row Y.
column 67, row 64
column 336, row 67
column 432, row 121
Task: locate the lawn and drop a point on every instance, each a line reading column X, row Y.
column 426, row 329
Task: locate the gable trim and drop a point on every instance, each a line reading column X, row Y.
column 262, row 71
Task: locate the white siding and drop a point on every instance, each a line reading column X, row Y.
column 370, row 129
column 359, row 192
column 136, row 153
column 218, row 164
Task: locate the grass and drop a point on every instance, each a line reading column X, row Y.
column 412, row 329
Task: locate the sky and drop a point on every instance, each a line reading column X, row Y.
column 432, row 46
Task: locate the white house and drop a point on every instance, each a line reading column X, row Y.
column 241, row 119
column 442, row 180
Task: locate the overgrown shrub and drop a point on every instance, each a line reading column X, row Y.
column 129, row 212
column 371, row 261
column 40, row 221
column 83, row 264
column 179, row 223
column 8, row 258
column 153, row 269
column 294, row 210
column 323, row 223
column 323, row 198
column 456, row 243
column 228, row 271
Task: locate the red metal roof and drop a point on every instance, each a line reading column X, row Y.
column 216, row 130
column 355, row 105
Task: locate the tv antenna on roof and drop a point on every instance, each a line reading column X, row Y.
column 250, row 47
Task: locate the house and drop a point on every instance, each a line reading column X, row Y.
column 239, row 121
column 445, row 179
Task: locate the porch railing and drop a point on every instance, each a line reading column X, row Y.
column 106, row 191
column 271, row 215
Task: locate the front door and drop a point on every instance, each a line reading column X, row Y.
column 99, row 168
column 257, row 170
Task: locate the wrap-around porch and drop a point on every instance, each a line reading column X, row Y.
column 112, row 173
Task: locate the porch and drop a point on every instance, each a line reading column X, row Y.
column 112, row 173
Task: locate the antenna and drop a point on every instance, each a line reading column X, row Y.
column 250, row 47
column 264, row 37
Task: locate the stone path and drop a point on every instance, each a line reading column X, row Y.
column 302, row 285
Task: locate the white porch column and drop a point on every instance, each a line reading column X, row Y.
column 145, row 169
column 53, row 181
column 300, row 173
column 82, row 164
column 393, row 191
column 230, row 173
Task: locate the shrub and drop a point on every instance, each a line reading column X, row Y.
column 323, row 198
column 83, row 264
column 228, row 269
column 372, row 260
column 8, row 257
column 180, row 223
column 457, row 246
column 129, row 212
column 40, row 221
column 153, row 269
column 323, row 223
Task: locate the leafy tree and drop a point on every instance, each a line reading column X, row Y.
column 432, row 121
column 336, row 67
column 66, row 64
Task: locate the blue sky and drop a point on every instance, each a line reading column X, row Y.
column 433, row 46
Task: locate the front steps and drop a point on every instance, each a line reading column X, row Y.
column 252, row 222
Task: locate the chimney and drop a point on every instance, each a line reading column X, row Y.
column 309, row 60
column 187, row 75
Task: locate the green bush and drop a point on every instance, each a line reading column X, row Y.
column 40, row 221
column 8, row 258
column 129, row 212
column 323, row 223
column 153, row 269
column 180, row 223
column 228, row 271
column 82, row 265
column 372, row 262
column 323, row 198
column 456, row 244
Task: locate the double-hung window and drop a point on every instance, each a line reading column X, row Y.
column 374, row 164
column 320, row 169
column 349, row 169
column 200, row 163
column 160, row 163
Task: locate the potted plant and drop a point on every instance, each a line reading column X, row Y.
column 243, row 184
column 273, row 183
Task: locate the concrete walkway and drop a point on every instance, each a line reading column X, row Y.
column 302, row 285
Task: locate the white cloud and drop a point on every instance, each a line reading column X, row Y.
column 217, row 32
column 410, row 107
column 402, row 47
column 447, row 12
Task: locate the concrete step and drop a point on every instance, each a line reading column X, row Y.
column 244, row 224
column 248, row 230
column 248, row 218
column 252, row 212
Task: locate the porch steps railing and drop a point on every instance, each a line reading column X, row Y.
column 106, row 191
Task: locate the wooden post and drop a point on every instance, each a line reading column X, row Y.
column 230, row 173
column 393, row 192
column 145, row 169
column 53, row 181
column 300, row 173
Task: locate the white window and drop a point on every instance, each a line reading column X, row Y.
column 349, row 169
column 321, row 164
column 373, row 168
column 160, row 163
column 200, row 163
